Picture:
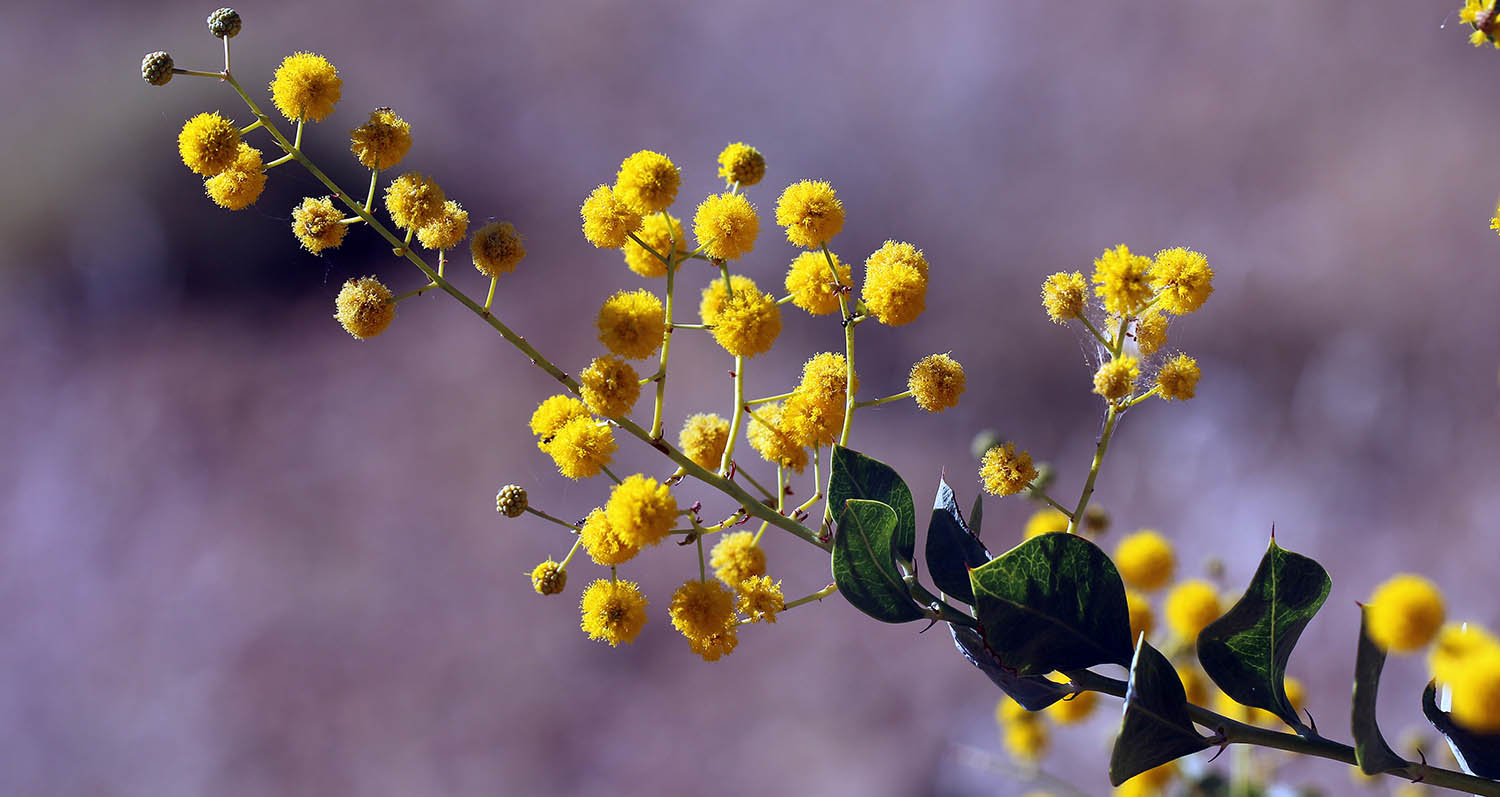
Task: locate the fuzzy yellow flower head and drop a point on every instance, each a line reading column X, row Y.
column 1009, row 712
column 607, row 220
column 1122, row 280
column 1477, row 13
column 1476, row 693
column 1142, row 618
column 1065, row 296
column 306, row 85
column 610, row 386
column 1045, row 521
column 383, row 141
column 1455, row 646
column 364, row 307
column 760, row 599
column 726, row 225
column 1026, row 741
column 703, row 439
column 1004, row 471
column 647, row 182
column 1115, row 380
column 445, row 231
column 663, row 233
column 811, row 282
column 318, row 225
column 414, row 200
column 604, row 545
column 825, row 380
column 237, row 187
column 737, row 557
column 769, row 436
column 811, row 423
column 895, row 289
column 748, row 323
column 717, row 646
column 811, row 212
column 1194, row 684
column 1151, row 333
column 641, row 510
column 496, row 248
column 1074, row 709
column 1151, row 783
column 549, row 578
column 1183, row 278
column 701, row 609
column 552, row 414
column 1495, row 219
column 632, row 323
column 716, row 294
column 1404, row 613
column 582, row 447
column 208, row 143
column 1145, row 560
column 742, row 163
column 1191, row 606
column 613, row 611
column 936, row 382
column 1178, row 378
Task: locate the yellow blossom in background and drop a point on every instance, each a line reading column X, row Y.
column 1151, row 333
column 742, row 163
column 1115, row 380
column 641, row 510
column 1191, row 606
column 1044, row 521
column 603, row 544
column 1145, row 560
column 701, row 609
column 1194, row 684
column 306, row 85
column 1178, row 378
column 1183, row 278
column 726, row 225
column 663, row 233
column 811, row 212
column 1495, row 219
column 1122, row 280
column 607, row 220
column 208, row 143
column 632, row 323
column 1075, row 709
column 1142, row 618
column 447, row 230
column 1151, row 783
column 1296, row 693
column 737, row 557
column 772, row 440
column 936, row 381
column 760, row 599
column 1454, row 646
column 1006, row 472
column 414, row 200
column 1026, row 741
column 237, row 187
column 549, row 578
column 815, row 415
column 703, row 439
column 317, row 224
column 647, row 182
column 811, row 285
column 1065, row 296
column 496, row 248
column 552, row 414
column 714, row 647
column 1008, row 711
column 382, row 142
column 1404, row 613
column 613, row 611
column 1476, row 13
column 364, row 307
column 715, row 295
column 609, row 386
column 1476, row 692
column 748, row 323
column 895, row 289
column 582, row 447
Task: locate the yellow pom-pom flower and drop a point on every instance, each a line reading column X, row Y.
column 552, row 414
column 647, row 182
column 641, row 510
column 716, row 294
column 748, row 323
column 1142, row 618
column 1145, row 560
column 1004, row 471
column 811, row 212
column 364, row 307
column 1454, row 646
column 1194, row 684
column 741, row 163
column 1404, row 613
column 1115, row 380
column 1183, row 278
column 602, row 543
column 208, row 143
column 770, row 437
column 760, row 599
column 703, row 439
column 726, row 225
column 306, row 86
column 1151, row 783
column 382, row 142
column 414, row 200
column 1296, row 693
column 717, row 646
column 1122, row 280
column 318, row 225
column 582, row 447
column 936, row 382
column 1191, row 606
column 607, row 220
column 1009, row 712
column 613, row 611
column 825, row 381
column 632, row 323
column 1026, row 741
column 1476, row 693
column 609, row 386
column 1045, row 521
column 447, row 230
column 1151, row 333
column 663, row 233
column 1073, row 710
column 701, row 609
column 549, row 578
column 1065, row 296
column 1178, row 378
column 895, row 289
column 811, row 283
column 496, row 248
column 237, row 187
column 737, row 557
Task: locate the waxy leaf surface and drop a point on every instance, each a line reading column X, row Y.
column 951, row 549
column 1370, row 748
column 1477, row 753
column 1156, row 727
column 858, row 476
column 1033, row 692
column 864, row 564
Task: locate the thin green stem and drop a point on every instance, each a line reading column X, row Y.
column 409, row 294
column 255, row 125
column 197, row 73
column 728, row 286
column 370, row 197
column 689, row 326
column 610, row 474
column 654, row 253
column 297, row 142
column 769, row 399
column 226, row 55
column 578, row 543
column 489, row 298
column 1076, row 516
column 816, row 596
column 886, row 400
column 1155, row 391
column 1093, row 330
column 784, row 299
column 544, row 516
column 666, row 350
column 1042, row 496
column 283, row 159
column 739, row 412
column 702, row 567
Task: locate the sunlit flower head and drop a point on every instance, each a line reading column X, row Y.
column 1122, row 280
column 306, row 86
column 1115, row 380
column 895, row 289
column 760, row 599
column 364, row 307
column 582, row 447
column 737, row 557
column 1004, row 471
column 641, row 510
column 551, row 414
column 1178, row 378
column 383, row 141
column 741, row 163
column 748, row 323
column 811, row 212
column 496, row 248
column 726, row 226
column 237, row 187
column 811, row 283
column 647, row 182
column 208, row 143
column 703, row 439
column 549, row 578
column 607, row 220
column 936, row 381
column 447, row 230
column 663, row 233
column 1183, row 278
column 609, row 386
column 603, row 544
column 414, row 200
column 1065, row 296
column 769, row 436
column 317, row 224
column 613, row 611
column 716, row 294
column 632, row 323
column 701, row 609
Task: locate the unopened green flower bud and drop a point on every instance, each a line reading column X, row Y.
column 1045, row 475
column 984, row 441
column 511, row 500
column 156, row 68
column 224, row 23
column 1095, row 520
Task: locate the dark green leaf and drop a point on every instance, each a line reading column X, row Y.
column 1033, row 692
column 1245, row 651
column 864, row 564
column 1054, row 602
column 858, row 476
column 1370, row 749
column 1477, row 753
column 951, row 550
column 976, row 514
column 1156, row 727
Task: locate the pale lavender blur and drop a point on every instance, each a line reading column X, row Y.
column 242, row 554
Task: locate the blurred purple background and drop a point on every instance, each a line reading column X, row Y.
column 242, row 554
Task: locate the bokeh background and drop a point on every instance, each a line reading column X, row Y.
column 243, row 554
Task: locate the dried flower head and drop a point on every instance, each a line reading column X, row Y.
column 306, row 86
column 224, row 23
column 364, row 307
column 496, row 248
column 1151, row 333
column 383, row 141
column 318, row 225
column 511, row 500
